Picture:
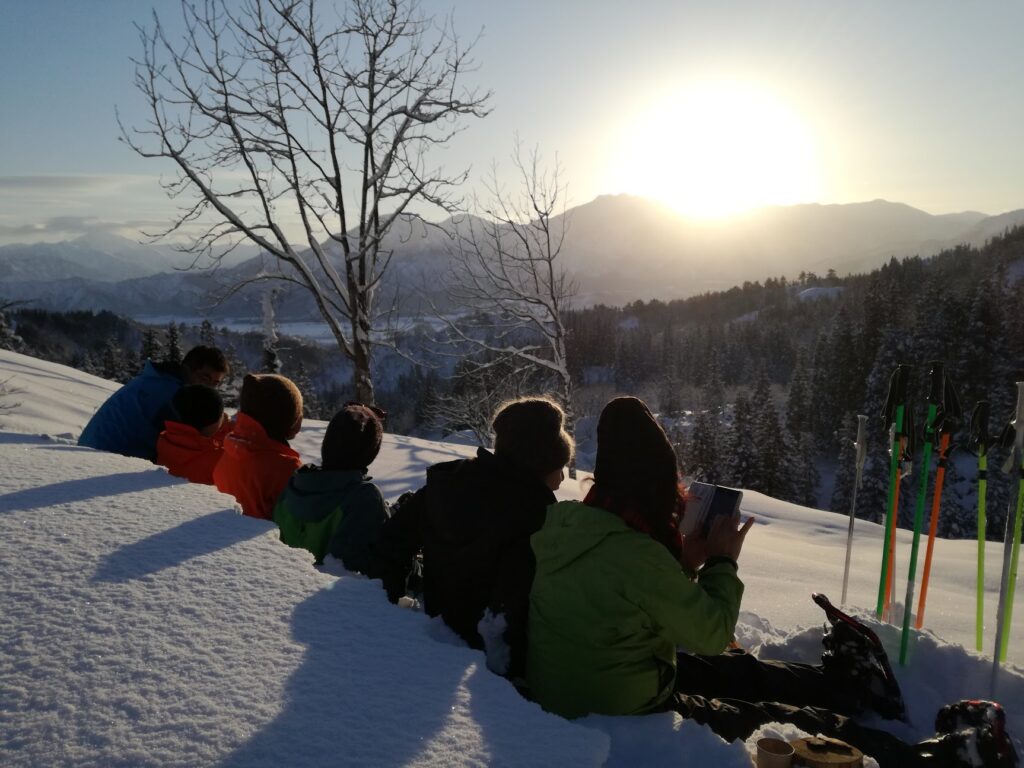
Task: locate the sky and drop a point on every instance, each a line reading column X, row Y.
column 711, row 108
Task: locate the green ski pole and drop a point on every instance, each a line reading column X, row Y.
column 893, row 413
column 935, row 400
column 979, row 444
column 1014, row 515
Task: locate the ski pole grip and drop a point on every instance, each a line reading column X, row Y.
column 938, row 383
column 897, row 394
column 979, row 427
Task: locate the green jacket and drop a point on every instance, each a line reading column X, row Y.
column 608, row 608
column 338, row 513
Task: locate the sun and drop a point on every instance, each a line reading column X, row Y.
column 715, row 149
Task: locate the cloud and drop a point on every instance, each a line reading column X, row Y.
column 73, row 226
column 21, row 185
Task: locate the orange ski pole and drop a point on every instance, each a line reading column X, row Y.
column 940, row 476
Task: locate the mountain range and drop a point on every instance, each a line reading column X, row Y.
column 619, row 248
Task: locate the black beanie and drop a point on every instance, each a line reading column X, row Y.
column 634, row 455
column 198, row 406
column 274, row 401
column 352, row 440
column 531, row 434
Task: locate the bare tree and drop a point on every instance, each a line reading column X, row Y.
column 278, row 119
column 476, row 394
column 507, row 271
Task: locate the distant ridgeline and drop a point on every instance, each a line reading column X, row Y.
column 759, row 385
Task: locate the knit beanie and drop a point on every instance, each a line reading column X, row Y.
column 531, row 434
column 198, row 406
column 633, row 452
column 274, row 401
column 352, row 440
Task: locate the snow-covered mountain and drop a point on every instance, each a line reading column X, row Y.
column 99, row 257
column 619, row 248
column 147, row 622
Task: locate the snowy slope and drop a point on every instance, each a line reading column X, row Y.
column 146, row 622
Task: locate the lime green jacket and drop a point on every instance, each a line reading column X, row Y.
column 608, row 608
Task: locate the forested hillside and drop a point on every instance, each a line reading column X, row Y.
column 759, row 385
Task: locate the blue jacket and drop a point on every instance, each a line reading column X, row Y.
column 131, row 419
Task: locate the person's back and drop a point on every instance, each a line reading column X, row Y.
column 608, row 607
column 473, row 520
column 257, row 461
column 478, row 517
column 191, row 446
column 335, row 509
column 130, row 421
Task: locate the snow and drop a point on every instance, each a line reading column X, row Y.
column 146, row 622
column 820, row 292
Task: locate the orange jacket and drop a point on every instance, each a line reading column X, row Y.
column 187, row 453
column 254, row 468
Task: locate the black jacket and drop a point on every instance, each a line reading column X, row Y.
column 473, row 521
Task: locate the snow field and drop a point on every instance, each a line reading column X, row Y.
column 146, row 622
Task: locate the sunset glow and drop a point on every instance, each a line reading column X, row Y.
column 717, row 149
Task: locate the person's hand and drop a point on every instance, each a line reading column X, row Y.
column 694, row 552
column 725, row 539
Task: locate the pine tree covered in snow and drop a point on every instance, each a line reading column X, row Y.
column 152, row 349
column 174, row 354
column 112, row 363
column 206, row 333
column 740, row 456
column 702, row 460
column 846, row 470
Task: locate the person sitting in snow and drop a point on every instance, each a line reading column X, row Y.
column 257, row 461
column 335, row 509
column 617, row 590
column 131, row 419
column 473, row 521
column 193, row 440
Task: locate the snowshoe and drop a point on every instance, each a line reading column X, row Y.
column 856, row 659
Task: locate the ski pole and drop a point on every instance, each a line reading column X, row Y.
column 890, row 581
column 893, row 413
column 860, row 446
column 934, row 401
column 979, row 443
column 1011, row 540
column 933, row 525
column 947, row 421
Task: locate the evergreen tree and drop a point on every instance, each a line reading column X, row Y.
column 771, row 475
column 801, row 470
column 739, row 469
column 702, row 457
column 310, row 400
column 846, row 470
column 152, row 349
column 174, row 354
column 206, row 335
column 713, row 392
column 112, row 362
column 798, row 411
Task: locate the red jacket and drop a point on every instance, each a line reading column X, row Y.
column 187, row 453
column 254, row 468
